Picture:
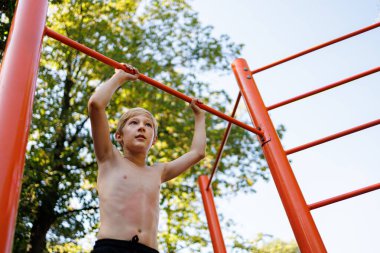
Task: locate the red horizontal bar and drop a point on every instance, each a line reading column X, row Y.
column 327, row 87
column 332, row 137
column 365, row 29
column 145, row 79
column 69, row 42
column 225, row 137
column 344, row 196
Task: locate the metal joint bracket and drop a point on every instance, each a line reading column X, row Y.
column 265, row 141
column 265, row 138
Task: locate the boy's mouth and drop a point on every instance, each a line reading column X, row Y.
column 140, row 136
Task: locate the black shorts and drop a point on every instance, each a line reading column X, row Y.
column 121, row 246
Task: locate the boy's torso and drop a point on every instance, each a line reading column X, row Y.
column 129, row 200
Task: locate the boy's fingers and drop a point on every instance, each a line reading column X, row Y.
column 194, row 104
column 193, row 101
column 196, row 101
column 128, row 66
column 133, row 69
column 137, row 73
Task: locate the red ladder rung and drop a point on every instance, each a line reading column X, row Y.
column 332, row 137
column 315, row 48
column 327, row 87
column 344, row 196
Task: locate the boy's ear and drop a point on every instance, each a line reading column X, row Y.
column 118, row 136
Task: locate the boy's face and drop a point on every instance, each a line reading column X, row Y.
column 137, row 134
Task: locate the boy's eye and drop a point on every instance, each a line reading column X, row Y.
column 148, row 124
column 133, row 122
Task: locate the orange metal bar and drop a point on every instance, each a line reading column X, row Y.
column 17, row 85
column 69, row 42
column 327, row 87
column 332, row 137
column 225, row 137
column 363, row 30
column 145, row 79
column 212, row 216
column 304, row 228
column 344, row 196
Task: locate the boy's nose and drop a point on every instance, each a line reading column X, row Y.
column 142, row 127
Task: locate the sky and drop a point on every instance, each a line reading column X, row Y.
column 272, row 30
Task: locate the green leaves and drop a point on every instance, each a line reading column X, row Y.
column 7, row 9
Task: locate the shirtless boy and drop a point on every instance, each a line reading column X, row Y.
column 128, row 188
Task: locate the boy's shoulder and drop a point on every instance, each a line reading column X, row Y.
column 158, row 166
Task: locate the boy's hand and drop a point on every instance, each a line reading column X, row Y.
column 195, row 107
column 125, row 76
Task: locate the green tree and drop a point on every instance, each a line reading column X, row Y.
column 278, row 246
column 263, row 243
column 7, row 9
column 164, row 40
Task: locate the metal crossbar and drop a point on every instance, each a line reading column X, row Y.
column 315, row 48
column 325, row 88
column 144, row 78
column 333, row 137
column 345, row 196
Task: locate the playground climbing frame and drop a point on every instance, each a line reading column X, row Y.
column 17, row 85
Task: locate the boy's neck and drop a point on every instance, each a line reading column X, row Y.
column 138, row 159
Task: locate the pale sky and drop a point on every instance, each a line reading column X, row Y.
column 272, row 30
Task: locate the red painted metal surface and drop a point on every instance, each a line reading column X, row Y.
column 144, row 78
column 224, row 140
column 363, row 30
column 304, row 228
column 212, row 216
column 345, row 196
column 327, row 87
column 69, row 42
column 332, row 137
column 17, row 85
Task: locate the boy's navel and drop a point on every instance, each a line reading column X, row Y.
column 125, row 177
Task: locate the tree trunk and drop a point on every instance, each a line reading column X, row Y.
column 46, row 215
column 41, row 225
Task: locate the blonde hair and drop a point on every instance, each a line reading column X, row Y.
column 132, row 113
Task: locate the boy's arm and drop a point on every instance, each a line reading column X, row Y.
column 197, row 151
column 96, row 108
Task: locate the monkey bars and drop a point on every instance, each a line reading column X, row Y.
column 17, row 84
column 144, row 78
column 288, row 101
column 298, row 211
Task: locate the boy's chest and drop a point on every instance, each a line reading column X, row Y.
column 122, row 180
column 137, row 180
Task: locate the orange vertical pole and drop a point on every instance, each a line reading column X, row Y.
column 304, row 228
column 17, row 85
column 212, row 216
